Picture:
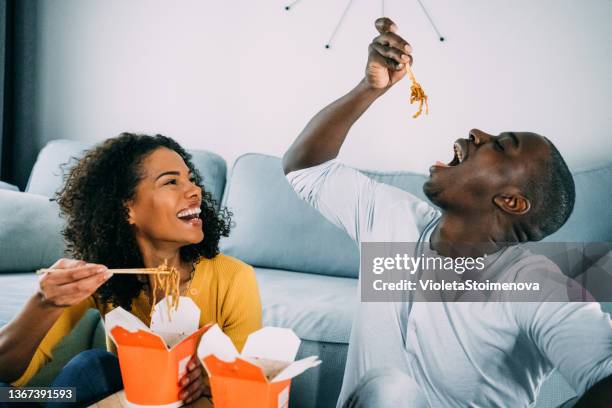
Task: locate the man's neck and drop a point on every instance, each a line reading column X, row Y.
column 467, row 236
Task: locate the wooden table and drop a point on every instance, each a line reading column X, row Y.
column 118, row 400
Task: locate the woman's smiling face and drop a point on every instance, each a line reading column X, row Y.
column 166, row 205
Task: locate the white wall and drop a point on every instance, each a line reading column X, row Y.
column 241, row 76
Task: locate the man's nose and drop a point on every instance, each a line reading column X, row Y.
column 479, row 137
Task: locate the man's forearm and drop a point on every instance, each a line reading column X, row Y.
column 323, row 136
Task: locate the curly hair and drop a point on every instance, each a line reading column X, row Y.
column 93, row 203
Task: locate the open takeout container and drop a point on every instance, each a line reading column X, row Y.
column 153, row 359
column 261, row 376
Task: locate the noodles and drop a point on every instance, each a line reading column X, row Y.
column 170, row 283
column 417, row 94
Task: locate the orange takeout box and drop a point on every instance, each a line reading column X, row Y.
column 152, row 360
column 260, row 377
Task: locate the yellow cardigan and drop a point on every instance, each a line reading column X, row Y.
column 224, row 288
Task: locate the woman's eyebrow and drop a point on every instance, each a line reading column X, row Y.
column 168, row 173
column 173, row 173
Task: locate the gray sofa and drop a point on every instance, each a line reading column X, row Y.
column 306, row 268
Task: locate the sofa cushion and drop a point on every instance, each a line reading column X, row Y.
column 55, row 160
column 316, row 307
column 15, row 290
column 273, row 228
column 7, row 186
column 52, row 164
column 267, row 214
column 30, row 232
column 591, row 220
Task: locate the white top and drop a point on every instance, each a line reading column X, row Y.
column 473, row 354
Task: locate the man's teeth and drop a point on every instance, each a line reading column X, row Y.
column 458, row 152
column 189, row 212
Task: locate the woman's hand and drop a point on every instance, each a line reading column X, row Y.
column 70, row 282
column 387, row 57
column 194, row 383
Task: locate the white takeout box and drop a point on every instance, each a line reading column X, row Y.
column 260, row 376
column 153, row 359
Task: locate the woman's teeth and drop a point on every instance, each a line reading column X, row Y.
column 189, row 213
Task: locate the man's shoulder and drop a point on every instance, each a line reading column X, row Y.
column 523, row 265
column 527, row 255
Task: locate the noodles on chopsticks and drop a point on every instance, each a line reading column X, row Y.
column 168, row 280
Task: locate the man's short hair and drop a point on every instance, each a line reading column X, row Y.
column 552, row 197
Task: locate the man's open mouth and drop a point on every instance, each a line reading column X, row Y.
column 189, row 214
column 459, row 155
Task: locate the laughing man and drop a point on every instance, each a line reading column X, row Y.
column 511, row 188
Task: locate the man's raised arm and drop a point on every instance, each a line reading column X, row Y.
column 323, row 136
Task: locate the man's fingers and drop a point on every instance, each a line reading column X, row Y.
column 385, row 25
column 392, row 53
column 378, row 58
column 395, row 41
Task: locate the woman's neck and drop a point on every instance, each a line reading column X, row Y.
column 154, row 257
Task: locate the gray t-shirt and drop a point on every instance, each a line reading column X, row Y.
column 477, row 354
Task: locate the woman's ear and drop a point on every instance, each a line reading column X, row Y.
column 513, row 203
column 131, row 217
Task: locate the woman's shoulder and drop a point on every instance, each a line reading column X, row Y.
column 226, row 266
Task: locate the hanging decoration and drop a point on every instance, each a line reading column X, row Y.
column 349, row 3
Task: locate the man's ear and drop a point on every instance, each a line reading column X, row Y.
column 513, row 202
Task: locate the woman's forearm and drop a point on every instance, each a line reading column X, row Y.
column 20, row 338
column 69, row 284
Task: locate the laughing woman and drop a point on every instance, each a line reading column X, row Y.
column 125, row 203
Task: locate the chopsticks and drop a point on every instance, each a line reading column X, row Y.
column 150, row 271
